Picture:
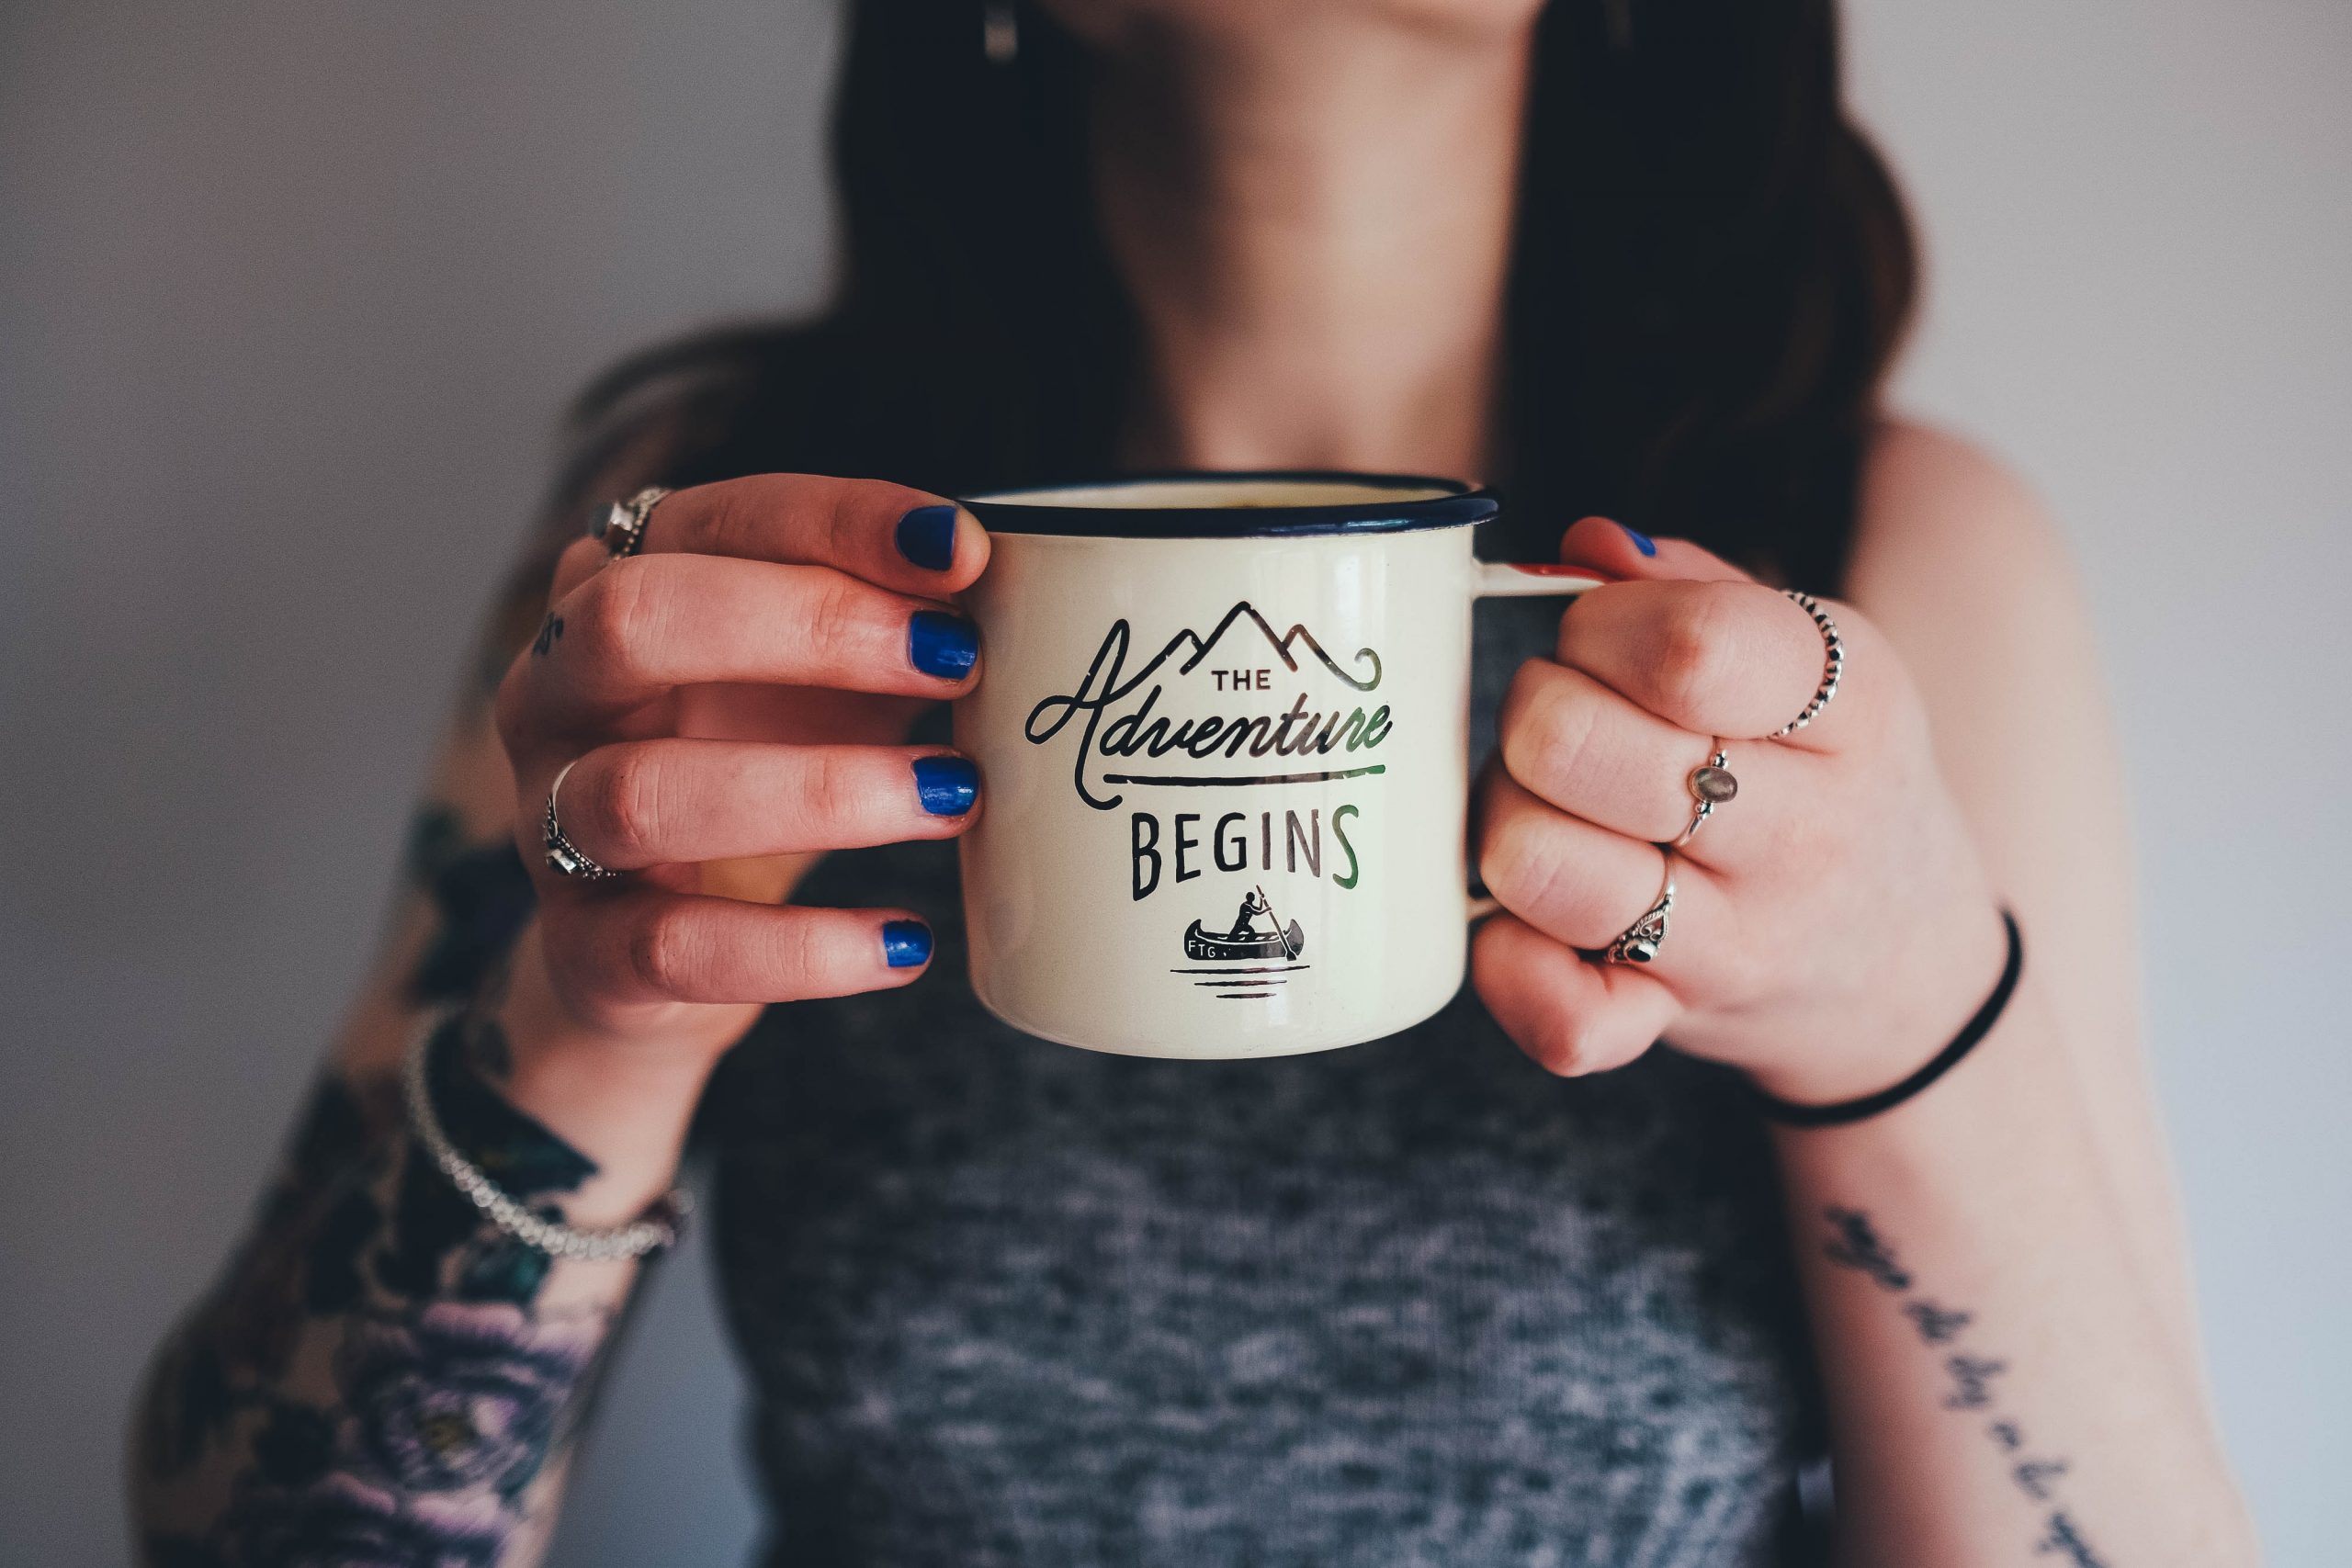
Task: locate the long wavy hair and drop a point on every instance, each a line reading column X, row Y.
column 1711, row 271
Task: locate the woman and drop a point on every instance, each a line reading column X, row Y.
column 1416, row 1301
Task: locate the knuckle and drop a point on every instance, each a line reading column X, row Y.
column 1519, row 867
column 663, row 949
column 833, row 790
column 1550, row 1036
column 1565, row 1045
column 1693, row 648
column 730, row 515
column 799, row 955
column 844, row 519
column 620, row 614
column 627, row 804
column 1548, row 746
column 834, row 617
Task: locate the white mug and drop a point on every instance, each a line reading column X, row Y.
column 1222, row 728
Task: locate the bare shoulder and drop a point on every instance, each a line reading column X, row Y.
column 1942, row 519
column 1963, row 566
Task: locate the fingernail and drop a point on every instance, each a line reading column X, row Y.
column 906, row 944
column 947, row 785
column 1642, row 541
column 942, row 644
column 927, row 536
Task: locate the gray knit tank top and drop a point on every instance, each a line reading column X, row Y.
column 1006, row 1303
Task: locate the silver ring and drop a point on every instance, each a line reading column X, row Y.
column 1639, row 942
column 1833, row 664
column 622, row 528
column 563, row 856
column 1711, row 785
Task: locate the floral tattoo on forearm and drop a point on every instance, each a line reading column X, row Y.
column 374, row 1380
column 1854, row 1243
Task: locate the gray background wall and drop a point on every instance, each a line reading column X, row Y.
column 289, row 291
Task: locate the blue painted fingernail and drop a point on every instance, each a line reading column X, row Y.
column 942, row 644
column 1642, row 541
column 906, row 944
column 947, row 785
column 927, row 536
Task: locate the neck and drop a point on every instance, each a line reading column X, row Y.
column 1315, row 229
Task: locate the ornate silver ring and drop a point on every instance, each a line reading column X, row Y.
column 1712, row 785
column 1833, row 664
column 1639, row 942
column 563, row 856
column 622, row 526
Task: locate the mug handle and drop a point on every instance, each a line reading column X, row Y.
column 1513, row 579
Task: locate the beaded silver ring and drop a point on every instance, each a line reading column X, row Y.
column 1833, row 667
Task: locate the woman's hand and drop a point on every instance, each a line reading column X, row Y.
column 1832, row 926
column 736, row 691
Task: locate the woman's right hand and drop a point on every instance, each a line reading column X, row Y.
column 741, row 688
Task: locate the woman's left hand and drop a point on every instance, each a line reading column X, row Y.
column 1831, row 924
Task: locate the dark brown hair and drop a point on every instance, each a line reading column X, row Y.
column 1712, row 272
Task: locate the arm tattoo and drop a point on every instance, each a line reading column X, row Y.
column 375, row 1379
column 481, row 899
column 1936, row 1325
column 1972, row 1382
column 2067, row 1540
column 1857, row 1245
column 1854, row 1243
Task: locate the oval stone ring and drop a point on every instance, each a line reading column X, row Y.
column 1712, row 785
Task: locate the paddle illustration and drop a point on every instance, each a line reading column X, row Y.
column 1276, row 921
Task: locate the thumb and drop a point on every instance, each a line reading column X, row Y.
column 1620, row 552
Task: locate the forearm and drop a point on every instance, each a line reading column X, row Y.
column 2003, row 1381
column 376, row 1363
column 378, row 1366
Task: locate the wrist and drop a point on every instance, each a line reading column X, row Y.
column 1899, row 1045
column 1920, row 1079
column 623, row 1102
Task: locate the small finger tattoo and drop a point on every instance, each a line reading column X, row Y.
column 550, row 630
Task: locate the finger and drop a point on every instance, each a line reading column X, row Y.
column 642, row 803
column 647, row 944
column 1585, row 887
column 1585, row 750
column 1619, row 551
column 1571, row 1015
column 642, row 627
column 1730, row 658
column 885, row 534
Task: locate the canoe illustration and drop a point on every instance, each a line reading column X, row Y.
column 1201, row 944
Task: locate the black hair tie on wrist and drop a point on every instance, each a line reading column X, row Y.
column 1790, row 1113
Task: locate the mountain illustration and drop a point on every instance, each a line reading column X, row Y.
column 1281, row 642
column 1108, row 684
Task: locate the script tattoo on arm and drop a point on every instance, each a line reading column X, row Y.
column 1854, row 1243
column 1936, row 1325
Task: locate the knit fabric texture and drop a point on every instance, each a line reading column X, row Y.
column 1417, row 1301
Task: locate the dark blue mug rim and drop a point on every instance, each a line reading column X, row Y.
column 1463, row 503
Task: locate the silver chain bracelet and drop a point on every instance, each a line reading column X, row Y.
column 660, row 1229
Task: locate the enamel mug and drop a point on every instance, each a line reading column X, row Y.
column 1222, row 729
